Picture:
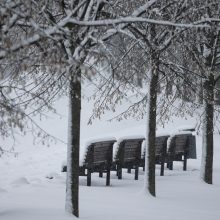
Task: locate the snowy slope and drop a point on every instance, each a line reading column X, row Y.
column 32, row 186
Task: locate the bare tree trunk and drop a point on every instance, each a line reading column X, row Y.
column 207, row 157
column 151, row 127
column 200, row 95
column 72, row 200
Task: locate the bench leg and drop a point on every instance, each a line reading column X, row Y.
column 162, row 161
column 100, row 173
column 170, row 165
column 129, row 170
column 119, row 173
column 89, row 178
column 117, row 170
column 136, row 173
column 184, row 163
column 162, row 169
column 108, row 177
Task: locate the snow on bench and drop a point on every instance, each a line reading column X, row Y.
column 186, row 128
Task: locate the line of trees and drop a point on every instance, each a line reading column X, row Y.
column 177, row 63
column 46, row 46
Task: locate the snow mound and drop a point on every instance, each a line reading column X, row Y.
column 3, row 190
column 36, row 181
column 20, row 182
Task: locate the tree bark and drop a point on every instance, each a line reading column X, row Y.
column 207, row 157
column 74, row 141
column 151, row 125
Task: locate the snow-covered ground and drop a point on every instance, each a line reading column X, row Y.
column 32, row 186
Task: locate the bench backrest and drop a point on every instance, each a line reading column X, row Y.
column 100, row 153
column 182, row 143
column 129, row 150
column 192, row 148
column 161, row 144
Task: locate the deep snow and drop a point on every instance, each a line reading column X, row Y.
column 32, row 186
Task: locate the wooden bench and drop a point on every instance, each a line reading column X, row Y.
column 128, row 155
column 160, row 152
column 181, row 147
column 98, row 159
